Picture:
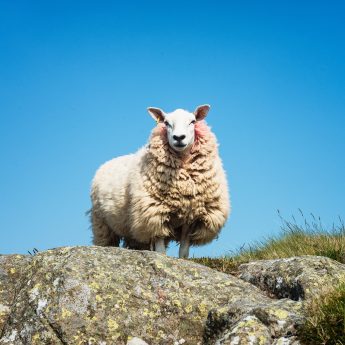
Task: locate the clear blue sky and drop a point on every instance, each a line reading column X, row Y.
column 76, row 79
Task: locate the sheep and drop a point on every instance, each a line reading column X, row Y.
column 174, row 188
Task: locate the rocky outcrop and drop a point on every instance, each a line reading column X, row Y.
column 297, row 278
column 103, row 296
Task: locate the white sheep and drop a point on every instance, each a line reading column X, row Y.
column 174, row 188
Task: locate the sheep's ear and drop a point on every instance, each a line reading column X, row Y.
column 201, row 112
column 157, row 114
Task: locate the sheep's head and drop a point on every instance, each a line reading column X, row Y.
column 180, row 125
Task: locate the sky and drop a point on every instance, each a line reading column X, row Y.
column 76, row 79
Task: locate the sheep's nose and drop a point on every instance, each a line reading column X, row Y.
column 179, row 137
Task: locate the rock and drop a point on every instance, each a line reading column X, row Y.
column 297, row 278
column 136, row 341
column 104, row 296
column 11, row 273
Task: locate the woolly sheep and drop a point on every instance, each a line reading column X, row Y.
column 174, row 188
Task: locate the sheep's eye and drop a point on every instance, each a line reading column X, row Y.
column 167, row 123
column 192, row 123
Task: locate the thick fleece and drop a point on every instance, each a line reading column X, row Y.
column 152, row 193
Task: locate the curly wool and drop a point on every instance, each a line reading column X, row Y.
column 186, row 189
column 164, row 190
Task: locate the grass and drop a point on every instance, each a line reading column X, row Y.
column 326, row 319
column 325, row 322
column 305, row 238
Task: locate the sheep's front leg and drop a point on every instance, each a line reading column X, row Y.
column 160, row 245
column 184, row 242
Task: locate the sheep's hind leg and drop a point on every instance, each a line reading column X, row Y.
column 184, row 242
column 103, row 235
column 129, row 243
column 160, row 245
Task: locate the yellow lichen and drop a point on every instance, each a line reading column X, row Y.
column 65, row 313
column 4, row 309
column 12, row 270
column 35, row 338
column 37, row 286
column 249, row 323
column 94, row 285
column 240, row 324
column 159, row 264
column 146, row 294
column 280, row 313
column 155, row 307
column 91, row 340
column 161, row 334
column 115, row 336
column 112, row 325
column 222, row 310
column 177, row 303
column 188, row 308
column 203, row 308
column 262, row 340
column 149, row 313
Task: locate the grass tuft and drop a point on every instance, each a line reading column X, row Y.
column 326, row 319
column 305, row 238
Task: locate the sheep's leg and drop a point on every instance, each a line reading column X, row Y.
column 102, row 233
column 184, row 242
column 160, row 245
column 129, row 243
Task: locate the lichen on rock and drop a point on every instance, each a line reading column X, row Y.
column 103, row 296
column 296, row 278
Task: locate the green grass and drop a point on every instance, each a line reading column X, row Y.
column 306, row 238
column 325, row 323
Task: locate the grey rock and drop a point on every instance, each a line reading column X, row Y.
column 103, row 296
column 136, row 341
column 297, row 278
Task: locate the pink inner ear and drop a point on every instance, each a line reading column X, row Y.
column 201, row 129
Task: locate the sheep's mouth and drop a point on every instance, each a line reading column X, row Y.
column 180, row 145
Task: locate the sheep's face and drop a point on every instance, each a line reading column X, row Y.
column 180, row 125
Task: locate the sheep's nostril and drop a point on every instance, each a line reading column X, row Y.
column 179, row 137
